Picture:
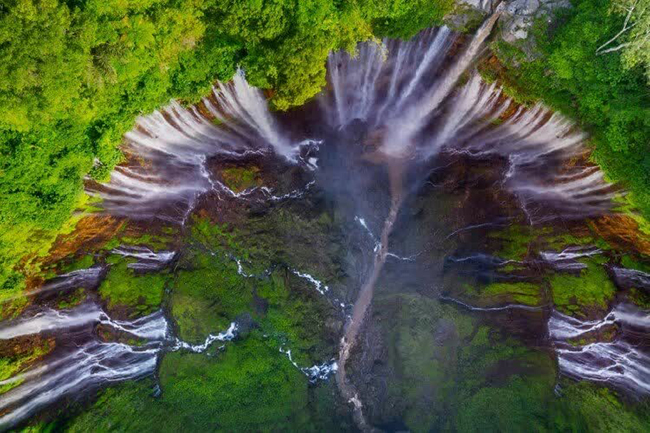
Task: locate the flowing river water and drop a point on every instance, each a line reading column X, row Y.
column 394, row 119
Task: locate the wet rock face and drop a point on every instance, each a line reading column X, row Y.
column 519, row 15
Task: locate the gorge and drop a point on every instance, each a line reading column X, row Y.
column 413, row 249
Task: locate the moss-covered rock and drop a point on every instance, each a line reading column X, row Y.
column 240, row 179
column 438, row 358
column 500, row 293
column 18, row 356
column 591, row 290
column 131, row 293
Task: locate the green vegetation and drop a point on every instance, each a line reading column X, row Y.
column 424, row 367
column 517, row 241
column 514, row 241
column 521, row 293
column 607, row 94
column 11, row 365
column 209, row 293
column 630, row 263
column 249, row 386
column 208, row 296
column 522, row 405
column 633, row 37
column 246, row 385
column 155, row 241
column 496, row 294
column 72, row 300
column 83, row 263
column 239, row 179
column 590, row 290
column 139, row 293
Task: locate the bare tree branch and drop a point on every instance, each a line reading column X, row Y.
column 625, row 28
column 616, row 48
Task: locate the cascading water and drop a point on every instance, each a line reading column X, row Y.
column 621, row 362
column 81, row 361
column 176, row 143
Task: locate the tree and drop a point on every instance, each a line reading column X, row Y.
column 634, row 37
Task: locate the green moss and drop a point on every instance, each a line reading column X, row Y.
column 491, row 358
column 564, row 240
column 626, row 205
column 83, row 263
column 439, row 359
column 470, row 18
column 521, row 292
column 631, row 263
column 423, row 369
column 503, row 408
column 139, row 293
column 587, row 407
column 302, row 238
column 592, row 289
column 155, row 241
column 640, row 298
column 524, row 405
column 209, row 293
column 501, row 293
column 513, row 241
column 72, row 300
column 239, row 179
column 208, row 297
column 511, row 267
column 10, row 366
column 248, row 387
column 292, row 315
column 296, row 318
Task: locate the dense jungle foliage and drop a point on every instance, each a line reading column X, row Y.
column 76, row 73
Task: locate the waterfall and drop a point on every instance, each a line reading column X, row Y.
column 403, row 91
column 622, row 362
column 169, row 150
column 81, row 361
column 359, row 83
column 415, row 104
column 565, row 260
column 48, row 320
column 86, row 278
column 629, row 278
column 148, row 260
column 399, row 140
column 405, row 95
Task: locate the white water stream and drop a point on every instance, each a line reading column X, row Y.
column 622, row 361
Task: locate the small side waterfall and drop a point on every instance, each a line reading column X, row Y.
column 621, row 362
column 81, row 361
column 88, row 278
column 150, row 327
